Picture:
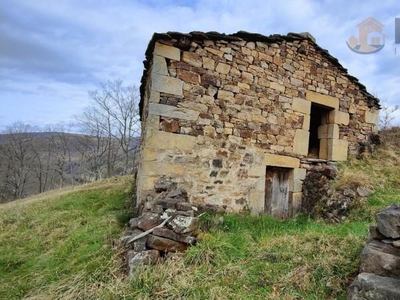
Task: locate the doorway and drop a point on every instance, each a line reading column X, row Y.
column 277, row 191
column 318, row 117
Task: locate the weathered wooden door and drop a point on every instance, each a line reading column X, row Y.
column 277, row 192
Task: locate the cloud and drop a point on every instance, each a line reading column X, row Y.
column 60, row 49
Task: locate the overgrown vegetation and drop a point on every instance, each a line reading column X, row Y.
column 35, row 160
column 62, row 247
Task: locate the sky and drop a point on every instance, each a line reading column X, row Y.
column 53, row 52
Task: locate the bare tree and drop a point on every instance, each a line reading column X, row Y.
column 386, row 116
column 17, row 152
column 114, row 116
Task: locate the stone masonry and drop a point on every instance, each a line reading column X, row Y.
column 230, row 117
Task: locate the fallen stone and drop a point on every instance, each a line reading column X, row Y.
column 388, row 221
column 375, row 234
column 170, row 234
column 380, row 259
column 136, row 259
column 185, row 206
column 164, row 244
column 178, row 193
column 133, row 223
column 372, row 287
column 363, row 192
column 183, row 224
column 168, row 203
column 140, row 244
column 149, row 220
column 396, row 244
column 162, row 184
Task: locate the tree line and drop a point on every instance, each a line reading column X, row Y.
column 34, row 160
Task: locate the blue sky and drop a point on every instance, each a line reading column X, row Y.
column 53, row 52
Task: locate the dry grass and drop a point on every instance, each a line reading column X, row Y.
column 61, row 247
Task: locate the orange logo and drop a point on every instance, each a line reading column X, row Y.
column 371, row 38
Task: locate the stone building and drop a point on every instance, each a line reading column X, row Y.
column 234, row 119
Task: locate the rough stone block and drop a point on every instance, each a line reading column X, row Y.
column 164, row 244
column 281, row 161
column 388, row 221
column 223, row 68
column 277, row 86
column 301, row 105
column 338, row 117
column 337, row 149
column 136, row 259
column 184, row 224
column 166, row 84
column 224, row 95
column 192, row 59
column 173, row 112
column 169, row 234
column 381, row 259
column 323, row 99
column 300, row 143
column 167, row 51
column 159, row 65
column 148, row 221
column 369, row 286
column 208, row 63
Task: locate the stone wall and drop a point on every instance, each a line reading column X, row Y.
column 217, row 110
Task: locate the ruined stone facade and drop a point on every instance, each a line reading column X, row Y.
column 232, row 118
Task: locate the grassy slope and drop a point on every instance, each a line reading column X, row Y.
column 60, row 247
column 57, row 246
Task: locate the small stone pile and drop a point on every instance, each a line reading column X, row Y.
column 168, row 224
column 322, row 199
column 379, row 276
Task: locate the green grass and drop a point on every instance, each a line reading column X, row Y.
column 60, row 246
column 55, row 246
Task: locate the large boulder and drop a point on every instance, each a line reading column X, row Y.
column 388, row 221
column 381, row 259
column 369, row 286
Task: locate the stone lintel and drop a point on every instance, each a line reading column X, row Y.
column 322, row 99
column 281, row 161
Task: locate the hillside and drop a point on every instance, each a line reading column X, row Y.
column 35, row 162
column 62, row 246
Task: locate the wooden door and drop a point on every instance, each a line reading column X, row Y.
column 277, row 192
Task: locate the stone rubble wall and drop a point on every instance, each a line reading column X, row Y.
column 169, row 224
column 216, row 113
column 379, row 276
